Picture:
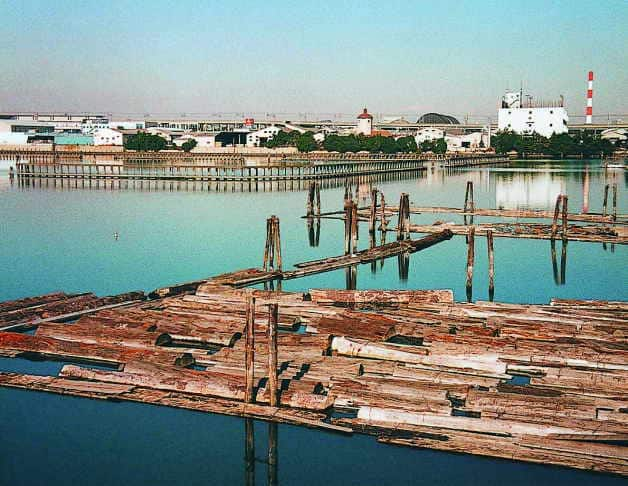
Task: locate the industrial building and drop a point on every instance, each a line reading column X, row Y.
column 532, row 116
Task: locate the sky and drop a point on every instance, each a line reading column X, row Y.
column 321, row 56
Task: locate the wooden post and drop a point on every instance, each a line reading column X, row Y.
column 249, row 395
column 470, row 260
column 354, row 227
column 564, row 228
column 310, row 200
column 383, row 222
column 273, row 388
column 469, row 204
column 348, row 215
column 318, row 200
column 403, row 217
column 267, row 247
column 615, row 202
column 604, row 206
column 373, row 215
column 556, row 213
column 491, row 264
column 277, row 242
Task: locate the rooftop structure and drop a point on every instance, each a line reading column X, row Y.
column 438, row 119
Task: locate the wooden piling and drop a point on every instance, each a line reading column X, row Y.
column 354, row 227
column 470, row 260
column 469, row 204
column 310, row 200
column 403, row 217
column 556, row 213
column 318, row 199
column 277, row 240
column 564, row 226
column 614, row 201
column 383, row 221
column 348, row 225
column 491, row 263
column 250, row 349
column 373, row 214
column 605, row 202
column 273, row 387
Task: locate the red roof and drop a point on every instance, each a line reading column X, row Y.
column 365, row 114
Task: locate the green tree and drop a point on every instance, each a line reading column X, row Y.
column 189, row 145
column 145, row 142
column 406, row 144
column 440, row 147
column 305, row 142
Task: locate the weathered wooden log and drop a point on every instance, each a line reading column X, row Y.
column 273, row 311
column 491, row 263
column 470, row 260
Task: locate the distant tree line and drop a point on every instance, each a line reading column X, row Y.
column 305, row 142
column 558, row 145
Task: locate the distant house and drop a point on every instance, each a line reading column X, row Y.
column 107, row 136
column 258, row 138
column 365, row 123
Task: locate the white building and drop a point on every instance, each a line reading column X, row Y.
column 107, row 136
column 529, row 117
column 203, row 140
column 256, row 139
column 10, row 138
column 428, row 134
column 127, row 124
column 467, row 141
column 365, row 123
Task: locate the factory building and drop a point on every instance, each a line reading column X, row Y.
column 544, row 118
column 258, row 138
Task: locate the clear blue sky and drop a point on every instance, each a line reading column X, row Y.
column 309, row 56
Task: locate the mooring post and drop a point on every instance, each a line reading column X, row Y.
column 273, row 388
column 250, row 349
column 470, row 260
column 383, row 222
column 318, row 199
column 277, row 242
column 563, row 263
column 469, row 204
column 564, row 228
column 310, row 201
column 615, row 202
column 267, row 247
column 354, row 227
column 491, row 264
column 373, row 215
column 605, row 203
column 403, row 217
column 556, row 213
column 348, row 214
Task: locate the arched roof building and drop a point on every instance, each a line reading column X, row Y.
column 438, row 119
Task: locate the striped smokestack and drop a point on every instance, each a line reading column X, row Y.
column 589, row 111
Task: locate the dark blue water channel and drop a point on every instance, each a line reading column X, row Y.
column 55, row 237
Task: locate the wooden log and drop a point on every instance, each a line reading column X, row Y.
column 605, row 201
column 277, row 245
column 615, row 202
column 354, row 228
column 373, row 213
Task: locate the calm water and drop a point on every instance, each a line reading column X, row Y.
column 61, row 238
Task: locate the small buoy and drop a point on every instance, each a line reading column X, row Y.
column 116, row 235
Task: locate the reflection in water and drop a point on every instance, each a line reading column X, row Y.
column 403, row 261
column 249, row 453
column 351, row 277
column 559, row 278
column 314, row 231
column 536, row 190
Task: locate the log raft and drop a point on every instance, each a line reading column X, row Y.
column 538, row 383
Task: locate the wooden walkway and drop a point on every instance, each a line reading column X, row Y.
column 286, row 170
column 536, row 383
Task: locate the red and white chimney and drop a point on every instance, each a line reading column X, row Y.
column 589, row 111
